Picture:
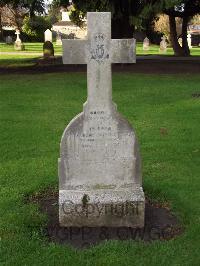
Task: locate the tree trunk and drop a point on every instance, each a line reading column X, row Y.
column 178, row 51
column 185, row 46
column 1, row 27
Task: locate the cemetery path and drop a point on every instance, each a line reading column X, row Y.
column 145, row 64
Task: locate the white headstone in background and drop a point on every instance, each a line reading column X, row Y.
column 100, row 181
column 65, row 16
column 18, row 45
column 180, row 41
column 48, row 35
column 146, row 44
column 163, row 45
column 189, row 40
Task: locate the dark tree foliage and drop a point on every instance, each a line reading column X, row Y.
column 33, row 6
column 184, row 9
column 188, row 9
column 128, row 14
column 125, row 13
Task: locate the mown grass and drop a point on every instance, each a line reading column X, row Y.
column 29, row 48
column 34, row 112
column 37, row 48
column 17, row 60
column 154, row 50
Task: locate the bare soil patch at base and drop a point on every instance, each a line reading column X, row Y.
column 160, row 224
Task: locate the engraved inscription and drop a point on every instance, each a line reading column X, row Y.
column 98, row 49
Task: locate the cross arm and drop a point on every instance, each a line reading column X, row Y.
column 123, row 50
column 74, row 51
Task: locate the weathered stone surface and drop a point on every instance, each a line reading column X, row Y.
column 104, row 208
column 99, row 161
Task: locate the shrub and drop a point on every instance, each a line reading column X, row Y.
column 161, row 25
column 35, row 27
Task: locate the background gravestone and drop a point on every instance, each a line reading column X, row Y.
column 9, row 40
column 18, row 46
column 100, row 181
column 48, row 49
column 163, row 45
column 189, row 40
column 146, row 44
column 48, row 36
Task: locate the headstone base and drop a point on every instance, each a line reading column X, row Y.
column 110, row 208
column 19, row 46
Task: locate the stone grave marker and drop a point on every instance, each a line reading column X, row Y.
column 163, row 45
column 180, row 41
column 19, row 46
column 9, row 40
column 189, row 40
column 48, row 36
column 48, row 49
column 146, row 44
column 58, row 38
column 100, row 181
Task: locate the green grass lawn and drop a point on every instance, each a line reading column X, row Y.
column 29, row 48
column 17, row 60
column 34, row 112
column 154, row 50
column 25, row 59
column 37, row 48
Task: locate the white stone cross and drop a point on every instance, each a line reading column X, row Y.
column 99, row 160
column 17, row 33
column 98, row 52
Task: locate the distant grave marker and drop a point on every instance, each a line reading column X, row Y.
column 48, row 36
column 146, row 44
column 163, row 45
column 19, row 46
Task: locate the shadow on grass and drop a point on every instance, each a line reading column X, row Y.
column 18, row 62
column 160, row 224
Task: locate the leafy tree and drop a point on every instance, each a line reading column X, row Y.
column 195, row 20
column 29, row 7
column 124, row 12
column 176, row 9
column 32, row 6
column 161, row 25
column 34, row 27
column 129, row 14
